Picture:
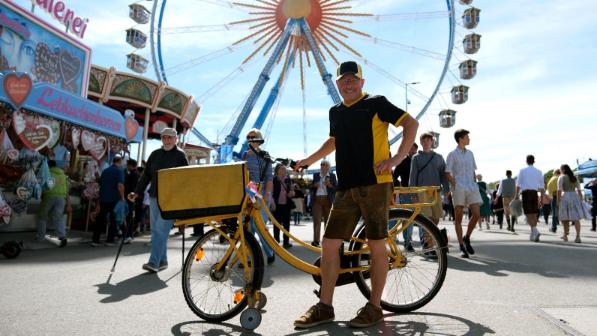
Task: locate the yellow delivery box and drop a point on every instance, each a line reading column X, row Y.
column 198, row 191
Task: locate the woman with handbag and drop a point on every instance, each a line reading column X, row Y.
column 282, row 202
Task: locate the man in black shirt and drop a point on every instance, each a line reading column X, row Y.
column 359, row 135
column 169, row 156
column 401, row 174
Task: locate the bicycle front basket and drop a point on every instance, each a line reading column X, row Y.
column 199, row 191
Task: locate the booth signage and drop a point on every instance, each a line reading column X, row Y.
column 59, row 11
column 59, row 104
column 30, row 45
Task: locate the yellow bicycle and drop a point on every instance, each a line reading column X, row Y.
column 223, row 272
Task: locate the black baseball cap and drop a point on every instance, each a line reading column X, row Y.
column 349, row 67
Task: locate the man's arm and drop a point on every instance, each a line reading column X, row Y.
column 326, row 148
column 409, row 132
column 121, row 190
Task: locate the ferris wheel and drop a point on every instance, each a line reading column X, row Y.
column 244, row 61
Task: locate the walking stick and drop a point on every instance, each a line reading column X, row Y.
column 124, row 231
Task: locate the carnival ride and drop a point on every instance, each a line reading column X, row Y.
column 241, row 42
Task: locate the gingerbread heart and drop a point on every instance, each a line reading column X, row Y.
column 70, row 66
column 17, row 88
column 75, row 134
column 99, row 148
column 22, row 193
column 18, row 122
column 46, row 64
column 87, row 139
column 36, row 137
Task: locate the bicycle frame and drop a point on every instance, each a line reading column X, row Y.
column 252, row 210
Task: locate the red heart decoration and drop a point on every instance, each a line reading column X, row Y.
column 17, row 88
column 132, row 126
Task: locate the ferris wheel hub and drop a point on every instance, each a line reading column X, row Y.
column 296, row 9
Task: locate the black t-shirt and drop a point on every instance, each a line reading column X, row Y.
column 361, row 135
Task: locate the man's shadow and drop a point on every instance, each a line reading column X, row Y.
column 141, row 284
column 394, row 324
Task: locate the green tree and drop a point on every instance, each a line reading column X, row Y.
column 547, row 176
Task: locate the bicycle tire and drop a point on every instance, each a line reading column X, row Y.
column 210, row 295
column 404, row 292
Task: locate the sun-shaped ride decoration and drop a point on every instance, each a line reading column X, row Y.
column 327, row 20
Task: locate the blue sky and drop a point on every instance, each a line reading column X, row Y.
column 533, row 92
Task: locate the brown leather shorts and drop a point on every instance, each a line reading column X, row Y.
column 530, row 202
column 371, row 202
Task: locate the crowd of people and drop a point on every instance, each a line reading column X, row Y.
column 361, row 187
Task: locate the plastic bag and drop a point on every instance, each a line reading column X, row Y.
column 44, row 177
column 8, row 152
column 516, row 207
column 28, row 186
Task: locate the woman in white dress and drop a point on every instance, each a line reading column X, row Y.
column 569, row 198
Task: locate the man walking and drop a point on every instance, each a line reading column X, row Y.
column 460, row 171
column 323, row 189
column 552, row 190
column 428, row 168
column 359, row 135
column 507, row 190
column 111, row 192
column 529, row 182
column 54, row 203
column 169, row 156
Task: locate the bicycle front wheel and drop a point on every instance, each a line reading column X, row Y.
column 412, row 286
column 218, row 295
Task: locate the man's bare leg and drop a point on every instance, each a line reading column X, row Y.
column 330, row 265
column 379, row 269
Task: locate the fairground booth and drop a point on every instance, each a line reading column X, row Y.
column 55, row 105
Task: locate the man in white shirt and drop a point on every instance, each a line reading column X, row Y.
column 460, row 171
column 529, row 181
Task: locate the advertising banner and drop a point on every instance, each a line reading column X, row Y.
column 27, row 44
column 15, row 88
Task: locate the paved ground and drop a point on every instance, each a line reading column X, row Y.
column 510, row 287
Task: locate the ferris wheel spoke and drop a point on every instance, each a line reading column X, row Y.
column 327, row 23
column 242, row 4
column 405, row 47
column 202, row 59
column 342, row 43
column 200, row 29
column 318, row 37
column 406, row 16
column 221, row 83
column 393, row 78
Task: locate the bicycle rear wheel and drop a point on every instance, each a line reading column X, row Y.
column 217, row 296
column 410, row 287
